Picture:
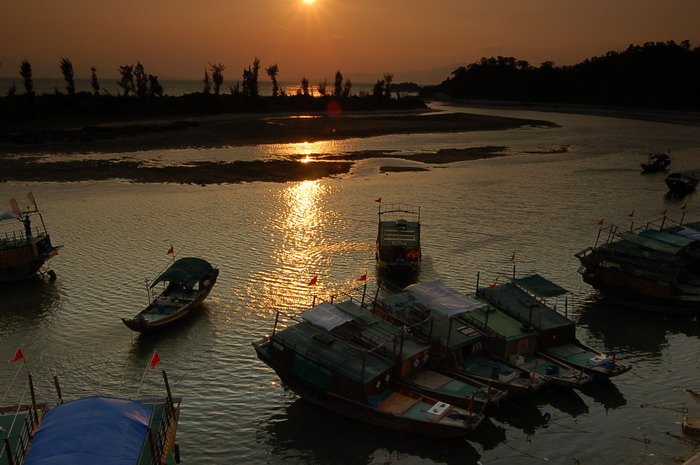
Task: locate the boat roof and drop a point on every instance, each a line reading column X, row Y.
column 439, row 328
column 540, row 286
column 77, row 432
column 186, row 271
column 500, row 322
column 650, row 243
column 332, row 353
column 515, row 301
column 444, row 300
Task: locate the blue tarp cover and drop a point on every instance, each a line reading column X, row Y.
column 93, row 430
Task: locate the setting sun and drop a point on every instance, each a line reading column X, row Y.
column 308, row 2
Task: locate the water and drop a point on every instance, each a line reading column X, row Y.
column 270, row 239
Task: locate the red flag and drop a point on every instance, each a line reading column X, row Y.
column 631, row 215
column 379, row 200
column 15, row 207
column 512, row 257
column 363, row 277
column 601, row 222
column 534, row 370
column 170, row 250
column 471, row 403
column 18, row 355
column 313, row 281
column 494, row 283
column 155, row 360
column 663, row 213
column 488, row 395
column 683, row 208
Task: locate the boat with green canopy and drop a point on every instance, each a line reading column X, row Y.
column 187, row 282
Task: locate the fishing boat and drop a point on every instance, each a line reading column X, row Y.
column 398, row 240
column 565, row 359
column 682, row 182
column 25, row 248
column 186, row 283
column 654, row 268
column 434, row 312
column 656, row 162
column 358, row 325
column 108, row 430
column 355, row 382
column 18, row 423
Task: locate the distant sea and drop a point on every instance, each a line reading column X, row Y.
column 173, row 87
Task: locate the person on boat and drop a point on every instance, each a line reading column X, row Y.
column 27, row 227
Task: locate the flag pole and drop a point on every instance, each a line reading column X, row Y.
column 155, row 351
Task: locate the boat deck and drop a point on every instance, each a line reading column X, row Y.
column 572, row 353
column 160, row 422
column 14, row 421
column 441, row 383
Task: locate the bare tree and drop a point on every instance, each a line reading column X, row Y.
column 272, row 72
column 93, row 81
column 304, row 90
column 67, row 71
column 25, row 70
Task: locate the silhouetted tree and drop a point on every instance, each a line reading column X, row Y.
column 388, row 79
column 12, row 90
column 304, row 89
column 127, row 79
column 217, row 76
column 250, row 79
column 141, row 79
column 94, row 82
column 67, row 71
column 207, row 82
column 154, row 87
column 378, row 89
column 272, row 72
column 347, row 86
column 25, row 70
column 338, row 84
column 322, row 88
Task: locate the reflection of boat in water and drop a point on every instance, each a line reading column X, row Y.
column 355, row 382
column 652, row 269
column 682, row 182
column 24, row 250
column 441, row 316
column 398, row 240
column 188, row 282
column 524, row 299
column 108, row 430
column 656, row 162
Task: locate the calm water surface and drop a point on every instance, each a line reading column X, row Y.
column 269, row 240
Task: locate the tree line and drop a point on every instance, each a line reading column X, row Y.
column 141, row 94
column 652, row 75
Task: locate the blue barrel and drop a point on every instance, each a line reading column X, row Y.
column 495, row 370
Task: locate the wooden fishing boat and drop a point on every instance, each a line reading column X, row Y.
column 139, row 432
column 357, row 325
column 434, row 313
column 656, row 162
column 568, row 361
column 187, row 282
column 24, row 249
column 18, row 423
column 654, row 268
column 398, row 240
column 356, row 383
column 681, row 183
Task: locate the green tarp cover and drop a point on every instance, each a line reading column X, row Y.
column 540, row 286
column 649, row 243
column 673, row 239
column 186, row 271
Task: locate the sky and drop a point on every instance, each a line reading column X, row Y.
column 316, row 38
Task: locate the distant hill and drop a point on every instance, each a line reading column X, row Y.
column 426, row 77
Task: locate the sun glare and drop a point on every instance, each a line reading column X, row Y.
column 308, row 2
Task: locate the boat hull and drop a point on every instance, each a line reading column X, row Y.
column 22, row 261
column 362, row 412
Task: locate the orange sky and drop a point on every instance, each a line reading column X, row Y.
column 177, row 38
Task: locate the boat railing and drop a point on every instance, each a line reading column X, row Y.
column 397, row 210
column 612, row 232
